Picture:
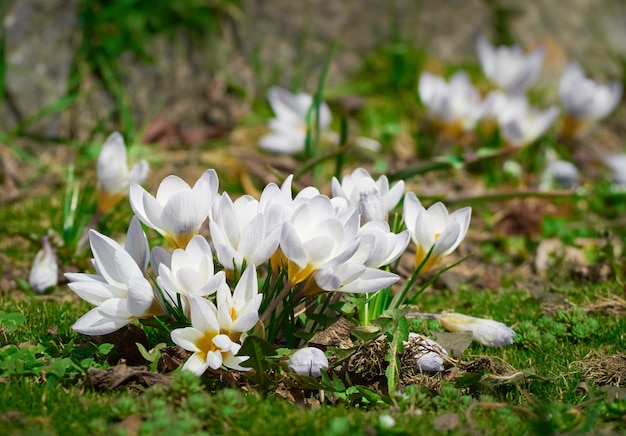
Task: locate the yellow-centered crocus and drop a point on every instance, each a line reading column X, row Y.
column 434, row 228
column 114, row 179
column 178, row 210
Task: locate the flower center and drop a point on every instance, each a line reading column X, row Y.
column 205, row 344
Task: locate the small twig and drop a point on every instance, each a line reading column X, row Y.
column 276, row 301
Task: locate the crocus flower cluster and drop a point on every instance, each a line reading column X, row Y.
column 294, row 113
column 456, row 107
column 312, row 243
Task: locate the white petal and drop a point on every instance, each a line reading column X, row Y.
column 137, row 244
column 170, row 186
column 196, row 365
column 187, row 338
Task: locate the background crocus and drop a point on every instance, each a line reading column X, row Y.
column 585, row 100
column 289, row 128
column 520, row 124
column 308, row 361
column 178, row 210
column 561, row 173
column 434, row 227
column 373, row 198
column 114, row 179
column 44, row 273
column 453, row 106
column 508, row 67
column 617, row 164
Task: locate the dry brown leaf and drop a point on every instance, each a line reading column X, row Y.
column 123, row 376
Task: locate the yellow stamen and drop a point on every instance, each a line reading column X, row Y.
column 107, row 200
column 180, row 240
column 297, row 274
column 420, row 255
column 205, row 344
column 571, row 127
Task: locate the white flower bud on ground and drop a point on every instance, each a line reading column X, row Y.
column 426, row 352
column 486, row 331
column 44, row 273
column 308, row 361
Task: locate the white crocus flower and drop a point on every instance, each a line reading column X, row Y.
column 617, row 164
column 486, row 331
column 308, row 361
column 434, row 226
column 352, row 278
column 520, row 124
column 119, row 290
column 239, row 312
column 379, row 246
column 372, row 198
column 289, row 128
column 114, row 179
column 211, row 347
column 178, row 210
column 243, row 230
column 585, row 100
column 561, row 173
column 453, row 106
column 44, row 273
column 426, row 352
column 190, row 272
column 318, row 236
column 508, row 67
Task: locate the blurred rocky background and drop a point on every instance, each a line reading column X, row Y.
column 72, row 68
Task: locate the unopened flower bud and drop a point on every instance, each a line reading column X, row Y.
column 44, row 273
column 426, row 352
column 486, row 331
column 308, row 361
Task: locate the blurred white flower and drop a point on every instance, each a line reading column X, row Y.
column 508, row 67
column 44, row 273
column 372, row 198
column 617, row 164
column 434, row 226
column 239, row 312
column 584, row 100
column 495, row 104
column 386, row 421
column 114, row 179
column 426, row 352
column 520, row 124
column 308, row 361
column 119, row 290
column 561, row 173
column 211, row 347
column 243, row 230
column 178, row 210
column 190, row 272
column 455, row 106
column 289, row 128
column 486, row 331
